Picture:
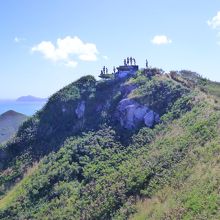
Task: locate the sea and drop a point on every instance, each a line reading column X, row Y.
column 26, row 108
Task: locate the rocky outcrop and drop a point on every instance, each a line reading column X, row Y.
column 126, row 71
column 80, row 110
column 123, row 74
column 151, row 118
column 131, row 114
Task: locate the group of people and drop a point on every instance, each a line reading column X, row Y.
column 129, row 61
column 104, row 70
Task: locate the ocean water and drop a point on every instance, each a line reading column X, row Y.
column 27, row 108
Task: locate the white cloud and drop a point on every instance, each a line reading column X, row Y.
column 16, row 40
column 19, row 39
column 88, row 57
column 65, row 48
column 218, row 38
column 105, row 57
column 161, row 39
column 215, row 21
column 71, row 63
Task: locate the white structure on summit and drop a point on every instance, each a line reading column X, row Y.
column 128, row 69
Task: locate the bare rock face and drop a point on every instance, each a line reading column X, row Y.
column 126, row 71
column 151, row 118
column 80, row 110
column 130, row 114
column 140, row 112
column 123, row 74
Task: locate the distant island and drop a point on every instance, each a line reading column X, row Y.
column 30, row 98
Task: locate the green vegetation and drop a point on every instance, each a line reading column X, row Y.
column 157, row 93
column 60, row 166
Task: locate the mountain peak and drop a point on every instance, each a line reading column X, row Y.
column 11, row 113
column 9, row 124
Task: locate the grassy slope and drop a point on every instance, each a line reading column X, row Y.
column 193, row 191
column 178, row 140
column 213, row 88
column 17, row 189
column 179, row 156
column 48, row 129
column 166, row 179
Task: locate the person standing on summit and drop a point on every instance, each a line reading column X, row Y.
column 146, row 63
column 131, row 60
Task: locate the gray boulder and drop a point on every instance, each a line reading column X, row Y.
column 151, row 118
column 130, row 114
column 128, row 120
column 125, row 113
column 140, row 112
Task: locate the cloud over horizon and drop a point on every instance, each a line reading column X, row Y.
column 161, row 40
column 67, row 50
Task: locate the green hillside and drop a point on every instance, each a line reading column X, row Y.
column 142, row 147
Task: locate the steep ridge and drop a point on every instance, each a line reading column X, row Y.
column 109, row 149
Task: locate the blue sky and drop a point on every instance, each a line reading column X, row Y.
column 46, row 44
